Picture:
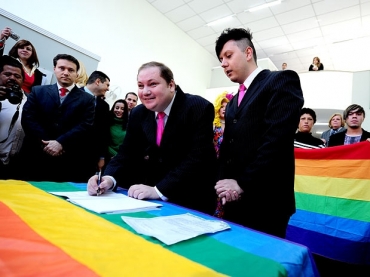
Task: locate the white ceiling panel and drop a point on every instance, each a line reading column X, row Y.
column 180, row 13
column 294, row 31
column 328, row 6
column 165, row 6
column 295, row 15
column 339, row 16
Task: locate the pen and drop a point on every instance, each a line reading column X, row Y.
column 99, row 181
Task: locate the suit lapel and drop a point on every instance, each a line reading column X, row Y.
column 72, row 96
column 54, row 94
column 150, row 127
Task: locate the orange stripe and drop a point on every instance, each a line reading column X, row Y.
column 24, row 253
column 355, row 169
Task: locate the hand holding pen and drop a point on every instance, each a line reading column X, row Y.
column 98, row 191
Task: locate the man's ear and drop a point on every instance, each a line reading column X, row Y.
column 248, row 53
column 172, row 86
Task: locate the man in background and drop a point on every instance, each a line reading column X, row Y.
column 11, row 132
column 57, row 121
column 97, row 85
column 284, row 66
column 131, row 99
column 256, row 181
column 354, row 116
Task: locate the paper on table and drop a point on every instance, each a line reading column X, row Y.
column 175, row 228
column 109, row 202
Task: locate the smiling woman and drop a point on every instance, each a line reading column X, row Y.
column 26, row 54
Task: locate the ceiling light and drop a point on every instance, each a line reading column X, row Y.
column 221, row 20
column 264, row 6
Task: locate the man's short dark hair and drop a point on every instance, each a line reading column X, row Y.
column 351, row 108
column 165, row 71
column 7, row 60
column 128, row 93
column 68, row 58
column 243, row 38
column 97, row 75
column 309, row 111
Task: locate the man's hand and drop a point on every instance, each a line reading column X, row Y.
column 142, row 192
column 228, row 190
column 5, row 33
column 2, row 93
column 105, row 185
column 52, row 147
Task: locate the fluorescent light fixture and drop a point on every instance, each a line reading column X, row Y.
column 221, row 20
column 264, row 6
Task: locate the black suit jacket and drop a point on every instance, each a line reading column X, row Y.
column 338, row 138
column 183, row 167
column 100, row 139
column 257, row 149
column 70, row 123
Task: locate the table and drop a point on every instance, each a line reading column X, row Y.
column 332, row 189
column 43, row 235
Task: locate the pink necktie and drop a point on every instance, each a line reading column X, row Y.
column 242, row 90
column 160, row 126
column 63, row 91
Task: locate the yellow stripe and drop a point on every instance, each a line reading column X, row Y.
column 104, row 247
column 356, row 189
column 356, row 169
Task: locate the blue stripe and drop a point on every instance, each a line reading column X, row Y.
column 330, row 246
column 344, row 228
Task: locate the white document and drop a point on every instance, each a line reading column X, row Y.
column 175, row 228
column 109, row 202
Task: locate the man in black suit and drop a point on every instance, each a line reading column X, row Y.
column 97, row 85
column 180, row 165
column 256, row 182
column 57, row 121
column 354, row 115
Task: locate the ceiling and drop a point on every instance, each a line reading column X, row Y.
column 295, row 31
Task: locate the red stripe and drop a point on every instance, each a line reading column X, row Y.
column 25, row 253
column 357, row 151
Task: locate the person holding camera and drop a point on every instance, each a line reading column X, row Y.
column 26, row 54
column 12, row 99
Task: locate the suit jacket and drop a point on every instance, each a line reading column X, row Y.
column 327, row 134
column 183, row 167
column 338, row 138
column 100, row 139
column 70, row 123
column 257, row 149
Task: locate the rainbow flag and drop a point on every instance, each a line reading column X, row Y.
column 332, row 189
column 45, row 235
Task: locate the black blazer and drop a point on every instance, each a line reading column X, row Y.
column 258, row 147
column 70, row 123
column 321, row 67
column 338, row 138
column 100, row 139
column 183, row 167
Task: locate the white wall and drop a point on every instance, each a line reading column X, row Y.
column 125, row 34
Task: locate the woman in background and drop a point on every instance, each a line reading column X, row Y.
column 118, row 123
column 218, row 131
column 336, row 124
column 219, row 121
column 26, row 54
column 316, row 65
column 82, row 78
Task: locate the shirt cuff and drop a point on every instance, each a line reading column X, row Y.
column 114, row 181
column 164, row 198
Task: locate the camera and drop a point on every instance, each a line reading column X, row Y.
column 14, row 94
column 14, row 36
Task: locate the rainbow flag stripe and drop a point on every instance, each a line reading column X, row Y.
column 45, row 235
column 332, row 188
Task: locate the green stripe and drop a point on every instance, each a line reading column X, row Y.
column 203, row 250
column 340, row 207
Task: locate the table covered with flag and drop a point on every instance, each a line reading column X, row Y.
column 45, row 235
column 332, row 189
